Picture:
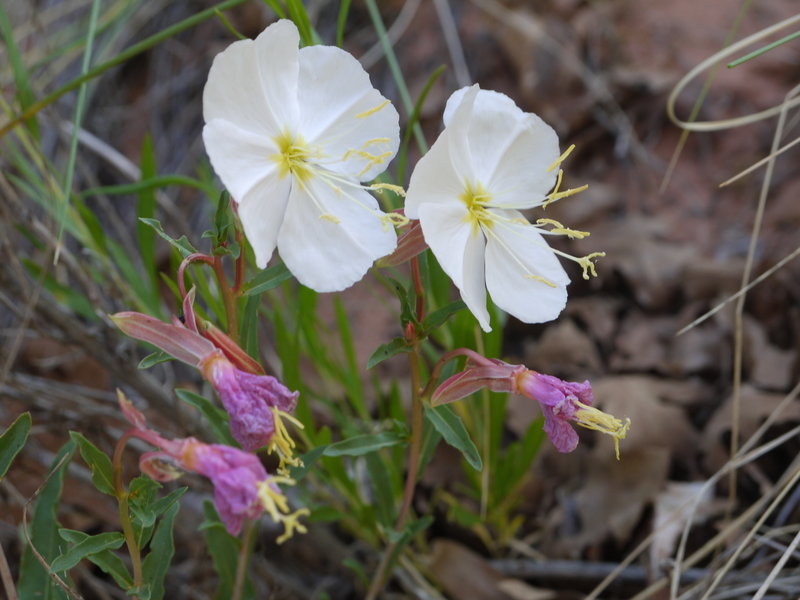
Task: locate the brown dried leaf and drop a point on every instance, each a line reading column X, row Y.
column 464, row 574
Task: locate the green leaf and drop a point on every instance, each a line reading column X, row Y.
column 34, row 581
column 25, row 95
column 182, row 243
column 151, row 360
column 344, row 8
column 449, row 424
column 90, row 545
column 162, row 548
column 437, row 317
column 364, row 444
column 384, row 351
column 266, row 280
column 13, row 440
column 146, row 208
column 217, row 418
column 308, row 459
column 107, row 561
column 224, row 550
column 99, row 463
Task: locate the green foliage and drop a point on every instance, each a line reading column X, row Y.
column 87, row 546
column 157, row 561
column 98, row 461
column 13, row 440
column 224, row 549
column 34, row 580
column 450, row 425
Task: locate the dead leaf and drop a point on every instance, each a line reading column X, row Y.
column 463, row 574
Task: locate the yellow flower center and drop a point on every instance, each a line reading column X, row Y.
column 293, row 156
column 476, row 199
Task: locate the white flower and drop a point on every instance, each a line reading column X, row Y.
column 491, row 161
column 292, row 132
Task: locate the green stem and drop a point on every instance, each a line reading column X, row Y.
column 244, row 559
column 415, row 444
column 124, row 513
column 229, row 299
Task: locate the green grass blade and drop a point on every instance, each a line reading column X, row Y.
column 134, row 50
column 25, row 95
column 344, row 9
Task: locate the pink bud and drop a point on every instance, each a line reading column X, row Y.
column 177, row 341
column 499, row 377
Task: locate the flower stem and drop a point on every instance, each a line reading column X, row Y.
column 229, row 299
column 244, row 559
column 124, row 513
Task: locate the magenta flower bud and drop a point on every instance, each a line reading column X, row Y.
column 252, row 401
column 565, row 401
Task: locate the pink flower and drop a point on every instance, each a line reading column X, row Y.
column 254, row 402
column 560, row 401
column 242, row 486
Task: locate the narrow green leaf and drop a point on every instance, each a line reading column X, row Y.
column 384, row 351
column 107, row 561
column 25, row 95
column 413, row 123
column 182, row 243
column 450, row 425
column 224, row 550
column 147, row 185
column 437, row 317
column 13, row 440
column 157, row 357
column 90, row 545
column 344, row 9
column 364, row 444
column 162, row 548
column 34, row 581
column 98, row 461
column 217, row 418
column 266, row 280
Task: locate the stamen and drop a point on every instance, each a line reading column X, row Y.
column 394, row 219
column 330, row 218
column 592, row 418
column 276, row 506
column 587, row 265
column 559, row 229
column 371, row 111
column 282, row 443
column 561, row 158
column 397, row 189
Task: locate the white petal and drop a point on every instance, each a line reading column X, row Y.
column 435, row 180
column 261, row 212
column 239, row 157
column 327, row 256
column 254, row 83
column 454, row 101
column 333, row 90
column 473, row 291
column 459, row 249
column 513, row 252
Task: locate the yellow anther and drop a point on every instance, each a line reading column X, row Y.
column 276, row 506
column 372, row 111
column 372, row 159
column 375, row 141
column 559, row 229
column 587, row 265
column 561, row 158
column 551, row 196
column 330, row 218
column 592, row 418
column 282, row 443
column 394, row 219
column 542, row 279
column 397, row 189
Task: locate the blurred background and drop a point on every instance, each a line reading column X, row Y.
column 676, row 244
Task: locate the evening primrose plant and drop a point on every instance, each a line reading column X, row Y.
column 297, row 136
